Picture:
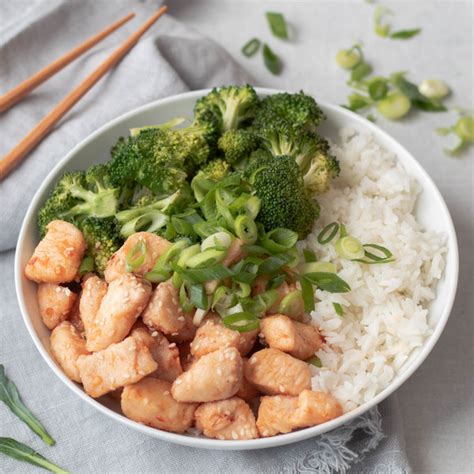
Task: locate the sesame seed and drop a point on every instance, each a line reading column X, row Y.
column 219, row 371
column 177, row 381
column 173, row 344
column 174, row 333
column 281, row 388
column 154, row 333
column 234, row 435
column 242, row 432
column 181, row 318
column 253, row 360
column 265, row 433
column 166, row 392
column 58, row 289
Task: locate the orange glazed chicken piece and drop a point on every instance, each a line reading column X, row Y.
column 55, row 303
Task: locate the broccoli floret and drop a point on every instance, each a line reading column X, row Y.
column 237, row 145
column 284, row 200
column 151, row 214
column 124, row 164
column 79, row 195
column 299, row 112
column 227, row 108
column 208, row 176
column 102, row 239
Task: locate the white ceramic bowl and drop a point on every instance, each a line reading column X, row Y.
column 431, row 212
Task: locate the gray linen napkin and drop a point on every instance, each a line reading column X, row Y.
column 168, row 60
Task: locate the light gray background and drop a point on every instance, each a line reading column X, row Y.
column 438, row 401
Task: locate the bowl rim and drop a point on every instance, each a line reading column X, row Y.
column 259, row 443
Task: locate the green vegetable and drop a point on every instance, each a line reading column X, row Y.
column 279, row 240
column 328, row 282
column 349, row 58
column 245, row 229
column 10, row 396
column 223, row 299
column 219, row 241
column 433, row 89
column 405, row 34
column 274, row 263
column 277, row 24
column 360, row 71
column 241, row 322
column 16, row 450
column 163, row 267
column 87, row 265
column 372, row 258
column 382, row 29
column 237, row 145
column 464, row 129
column 328, row 233
column 316, row 267
column 338, row 309
column 394, row 106
column 136, row 256
column 307, row 293
column 201, row 275
column 262, row 302
column 309, row 256
column 271, row 60
column 358, row 101
column 316, row 361
column 378, row 88
column 206, row 258
column 292, row 305
column 251, row 47
column 198, row 296
column 184, row 298
column 349, row 248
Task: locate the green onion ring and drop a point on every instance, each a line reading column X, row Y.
column 349, row 248
column 241, row 322
column 136, row 257
column 245, row 229
column 328, row 233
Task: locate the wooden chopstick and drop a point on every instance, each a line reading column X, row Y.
column 42, row 128
column 18, row 92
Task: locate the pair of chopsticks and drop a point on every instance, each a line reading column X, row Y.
column 44, row 126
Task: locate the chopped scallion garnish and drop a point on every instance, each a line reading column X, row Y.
column 279, row 240
column 136, row 257
column 338, row 309
column 245, row 229
column 309, row 256
column 277, row 24
column 349, row 248
column 316, row 361
column 327, row 281
column 328, row 233
column 251, row 47
column 271, row 60
column 292, row 305
column 87, row 265
column 241, row 322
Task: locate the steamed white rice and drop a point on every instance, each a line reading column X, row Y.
column 385, row 314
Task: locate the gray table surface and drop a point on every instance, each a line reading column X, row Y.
column 438, row 401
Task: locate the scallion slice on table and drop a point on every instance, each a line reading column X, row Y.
column 349, row 58
column 394, row 106
column 136, row 257
column 434, row 89
column 271, row 60
column 464, row 129
column 251, row 47
column 21, row 452
column 241, row 322
column 328, row 233
column 405, row 34
column 277, row 24
column 10, row 396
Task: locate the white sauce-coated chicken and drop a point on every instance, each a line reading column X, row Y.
column 118, row 365
column 150, row 402
column 124, row 301
column 230, row 419
column 273, row 372
column 57, row 257
column 297, row 339
column 67, row 346
column 155, row 247
column 215, row 376
column 55, row 303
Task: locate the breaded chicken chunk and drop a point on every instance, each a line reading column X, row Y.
column 124, row 301
column 275, row 415
column 213, row 335
column 55, row 303
column 155, row 247
column 164, row 313
column 150, row 402
column 57, row 257
column 282, row 414
column 166, row 354
column 230, row 419
column 74, row 316
column 67, row 346
column 120, row 364
column 215, row 376
column 273, row 372
column 93, row 291
column 297, row 339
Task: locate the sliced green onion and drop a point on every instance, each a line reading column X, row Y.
column 358, row 101
column 201, row 275
column 276, row 281
column 255, row 250
column 162, row 269
column 464, row 128
column 223, row 200
column 372, row 258
column 174, row 122
column 405, row 34
column 87, row 265
column 241, row 322
column 338, row 309
column 308, row 295
column 199, row 315
column 349, row 58
column 176, row 280
column 243, row 290
column 292, row 305
column 394, row 106
column 277, row 24
column 206, row 258
column 219, row 240
column 245, row 229
column 309, row 256
column 316, row 361
column 361, row 71
column 264, row 301
column 136, row 257
column 252, row 206
column 251, row 47
column 378, row 88
column 223, row 299
column 279, row 240
column 328, row 282
column 271, row 60
column 380, row 28
column 349, row 248
column 295, row 261
column 187, row 253
column 198, row 296
column 184, row 299
column 342, row 231
column 274, row 263
column 205, row 229
column 328, row 233
column 315, row 267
